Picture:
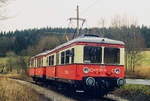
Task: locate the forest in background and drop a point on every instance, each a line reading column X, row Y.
column 33, row 41
column 18, row 46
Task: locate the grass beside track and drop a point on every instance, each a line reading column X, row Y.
column 18, row 76
column 13, row 91
column 134, row 92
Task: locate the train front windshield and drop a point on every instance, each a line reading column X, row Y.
column 105, row 55
column 111, row 55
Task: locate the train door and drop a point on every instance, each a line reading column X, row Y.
column 57, row 62
column 50, row 69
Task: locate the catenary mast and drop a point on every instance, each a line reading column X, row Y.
column 78, row 24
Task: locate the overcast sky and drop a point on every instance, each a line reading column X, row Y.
column 54, row 13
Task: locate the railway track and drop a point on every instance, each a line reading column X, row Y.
column 138, row 81
column 52, row 93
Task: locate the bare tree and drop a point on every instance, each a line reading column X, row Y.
column 127, row 30
column 116, row 21
column 11, row 61
column 45, row 43
column 3, row 4
column 102, row 24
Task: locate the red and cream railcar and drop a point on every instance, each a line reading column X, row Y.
column 86, row 62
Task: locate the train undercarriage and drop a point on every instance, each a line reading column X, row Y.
column 93, row 86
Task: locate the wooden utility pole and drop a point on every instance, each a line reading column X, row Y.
column 78, row 19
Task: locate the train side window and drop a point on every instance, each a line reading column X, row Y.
column 111, row 55
column 51, row 60
column 62, row 58
column 35, row 65
column 41, row 62
column 67, row 56
column 47, row 61
column 57, row 58
column 72, row 55
column 38, row 62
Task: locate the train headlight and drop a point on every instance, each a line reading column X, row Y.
column 86, row 70
column 90, row 81
column 117, row 71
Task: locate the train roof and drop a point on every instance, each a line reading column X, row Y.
column 87, row 38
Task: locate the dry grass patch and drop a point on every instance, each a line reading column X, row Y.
column 142, row 67
column 143, row 71
column 13, row 91
column 17, row 76
column 134, row 92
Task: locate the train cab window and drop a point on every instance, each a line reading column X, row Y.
column 67, row 56
column 72, row 55
column 62, row 58
column 92, row 54
column 111, row 55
